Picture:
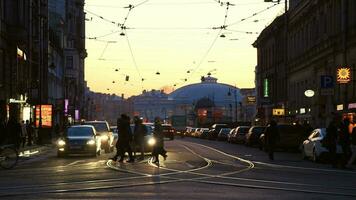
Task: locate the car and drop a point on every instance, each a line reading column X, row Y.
column 115, row 133
column 313, row 148
column 222, row 136
column 168, row 131
column 291, row 137
column 253, row 135
column 149, row 140
column 215, row 129
column 103, row 130
column 79, row 139
column 231, row 135
column 204, row 134
column 240, row 134
column 200, row 131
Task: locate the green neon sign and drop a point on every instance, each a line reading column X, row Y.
column 265, row 88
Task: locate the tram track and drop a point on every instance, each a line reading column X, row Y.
column 223, row 179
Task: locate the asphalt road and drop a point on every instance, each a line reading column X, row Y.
column 194, row 169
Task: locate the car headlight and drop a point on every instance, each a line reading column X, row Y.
column 151, row 141
column 104, row 137
column 91, row 142
column 61, row 143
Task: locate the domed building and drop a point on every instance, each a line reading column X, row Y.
column 207, row 102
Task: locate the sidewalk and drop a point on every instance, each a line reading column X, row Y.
column 33, row 149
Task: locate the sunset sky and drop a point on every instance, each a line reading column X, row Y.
column 172, row 37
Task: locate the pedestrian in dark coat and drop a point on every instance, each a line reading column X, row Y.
column 13, row 130
column 344, row 141
column 330, row 140
column 353, row 149
column 140, row 131
column 271, row 138
column 125, row 138
column 2, row 131
column 158, row 149
column 30, row 132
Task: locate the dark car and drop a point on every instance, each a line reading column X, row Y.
column 253, row 135
column 239, row 135
column 78, row 140
column 168, row 131
column 291, row 137
column 215, row 129
column 149, row 140
column 204, row 134
column 102, row 129
column 223, row 134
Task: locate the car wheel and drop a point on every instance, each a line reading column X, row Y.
column 315, row 156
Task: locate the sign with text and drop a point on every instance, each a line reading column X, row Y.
column 44, row 112
column 326, row 82
column 343, row 75
column 278, row 112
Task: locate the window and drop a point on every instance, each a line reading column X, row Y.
column 69, row 62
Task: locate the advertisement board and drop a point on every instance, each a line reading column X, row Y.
column 46, row 112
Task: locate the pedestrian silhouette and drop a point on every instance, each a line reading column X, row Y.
column 271, row 137
column 125, row 138
column 158, row 149
column 140, row 131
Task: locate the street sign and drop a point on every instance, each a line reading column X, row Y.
column 326, row 82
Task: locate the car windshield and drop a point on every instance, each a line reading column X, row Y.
column 80, row 131
column 225, row 131
column 99, row 127
column 243, row 130
column 258, row 129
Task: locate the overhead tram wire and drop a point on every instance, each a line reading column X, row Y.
column 133, row 59
column 205, row 55
column 223, row 27
column 253, row 15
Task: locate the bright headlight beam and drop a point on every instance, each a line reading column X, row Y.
column 151, row 141
column 91, row 142
column 61, row 143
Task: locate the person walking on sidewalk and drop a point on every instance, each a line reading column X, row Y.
column 125, row 138
column 271, row 138
column 158, row 149
column 2, row 131
column 353, row 149
column 30, row 132
column 139, row 133
column 23, row 134
column 330, row 139
column 344, row 141
column 13, row 130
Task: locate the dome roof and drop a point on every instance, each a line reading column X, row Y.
column 219, row 93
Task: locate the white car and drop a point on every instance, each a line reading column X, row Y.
column 312, row 147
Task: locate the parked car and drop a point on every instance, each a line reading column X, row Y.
column 168, row 131
column 231, row 135
column 240, row 134
column 78, row 140
column 253, row 135
column 313, row 148
column 102, row 129
column 291, row 137
column 204, row 134
column 188, row 130
column 223, row 134
column 215, row 129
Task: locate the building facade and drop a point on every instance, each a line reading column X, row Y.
column 74, row 54
column 321, row 38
